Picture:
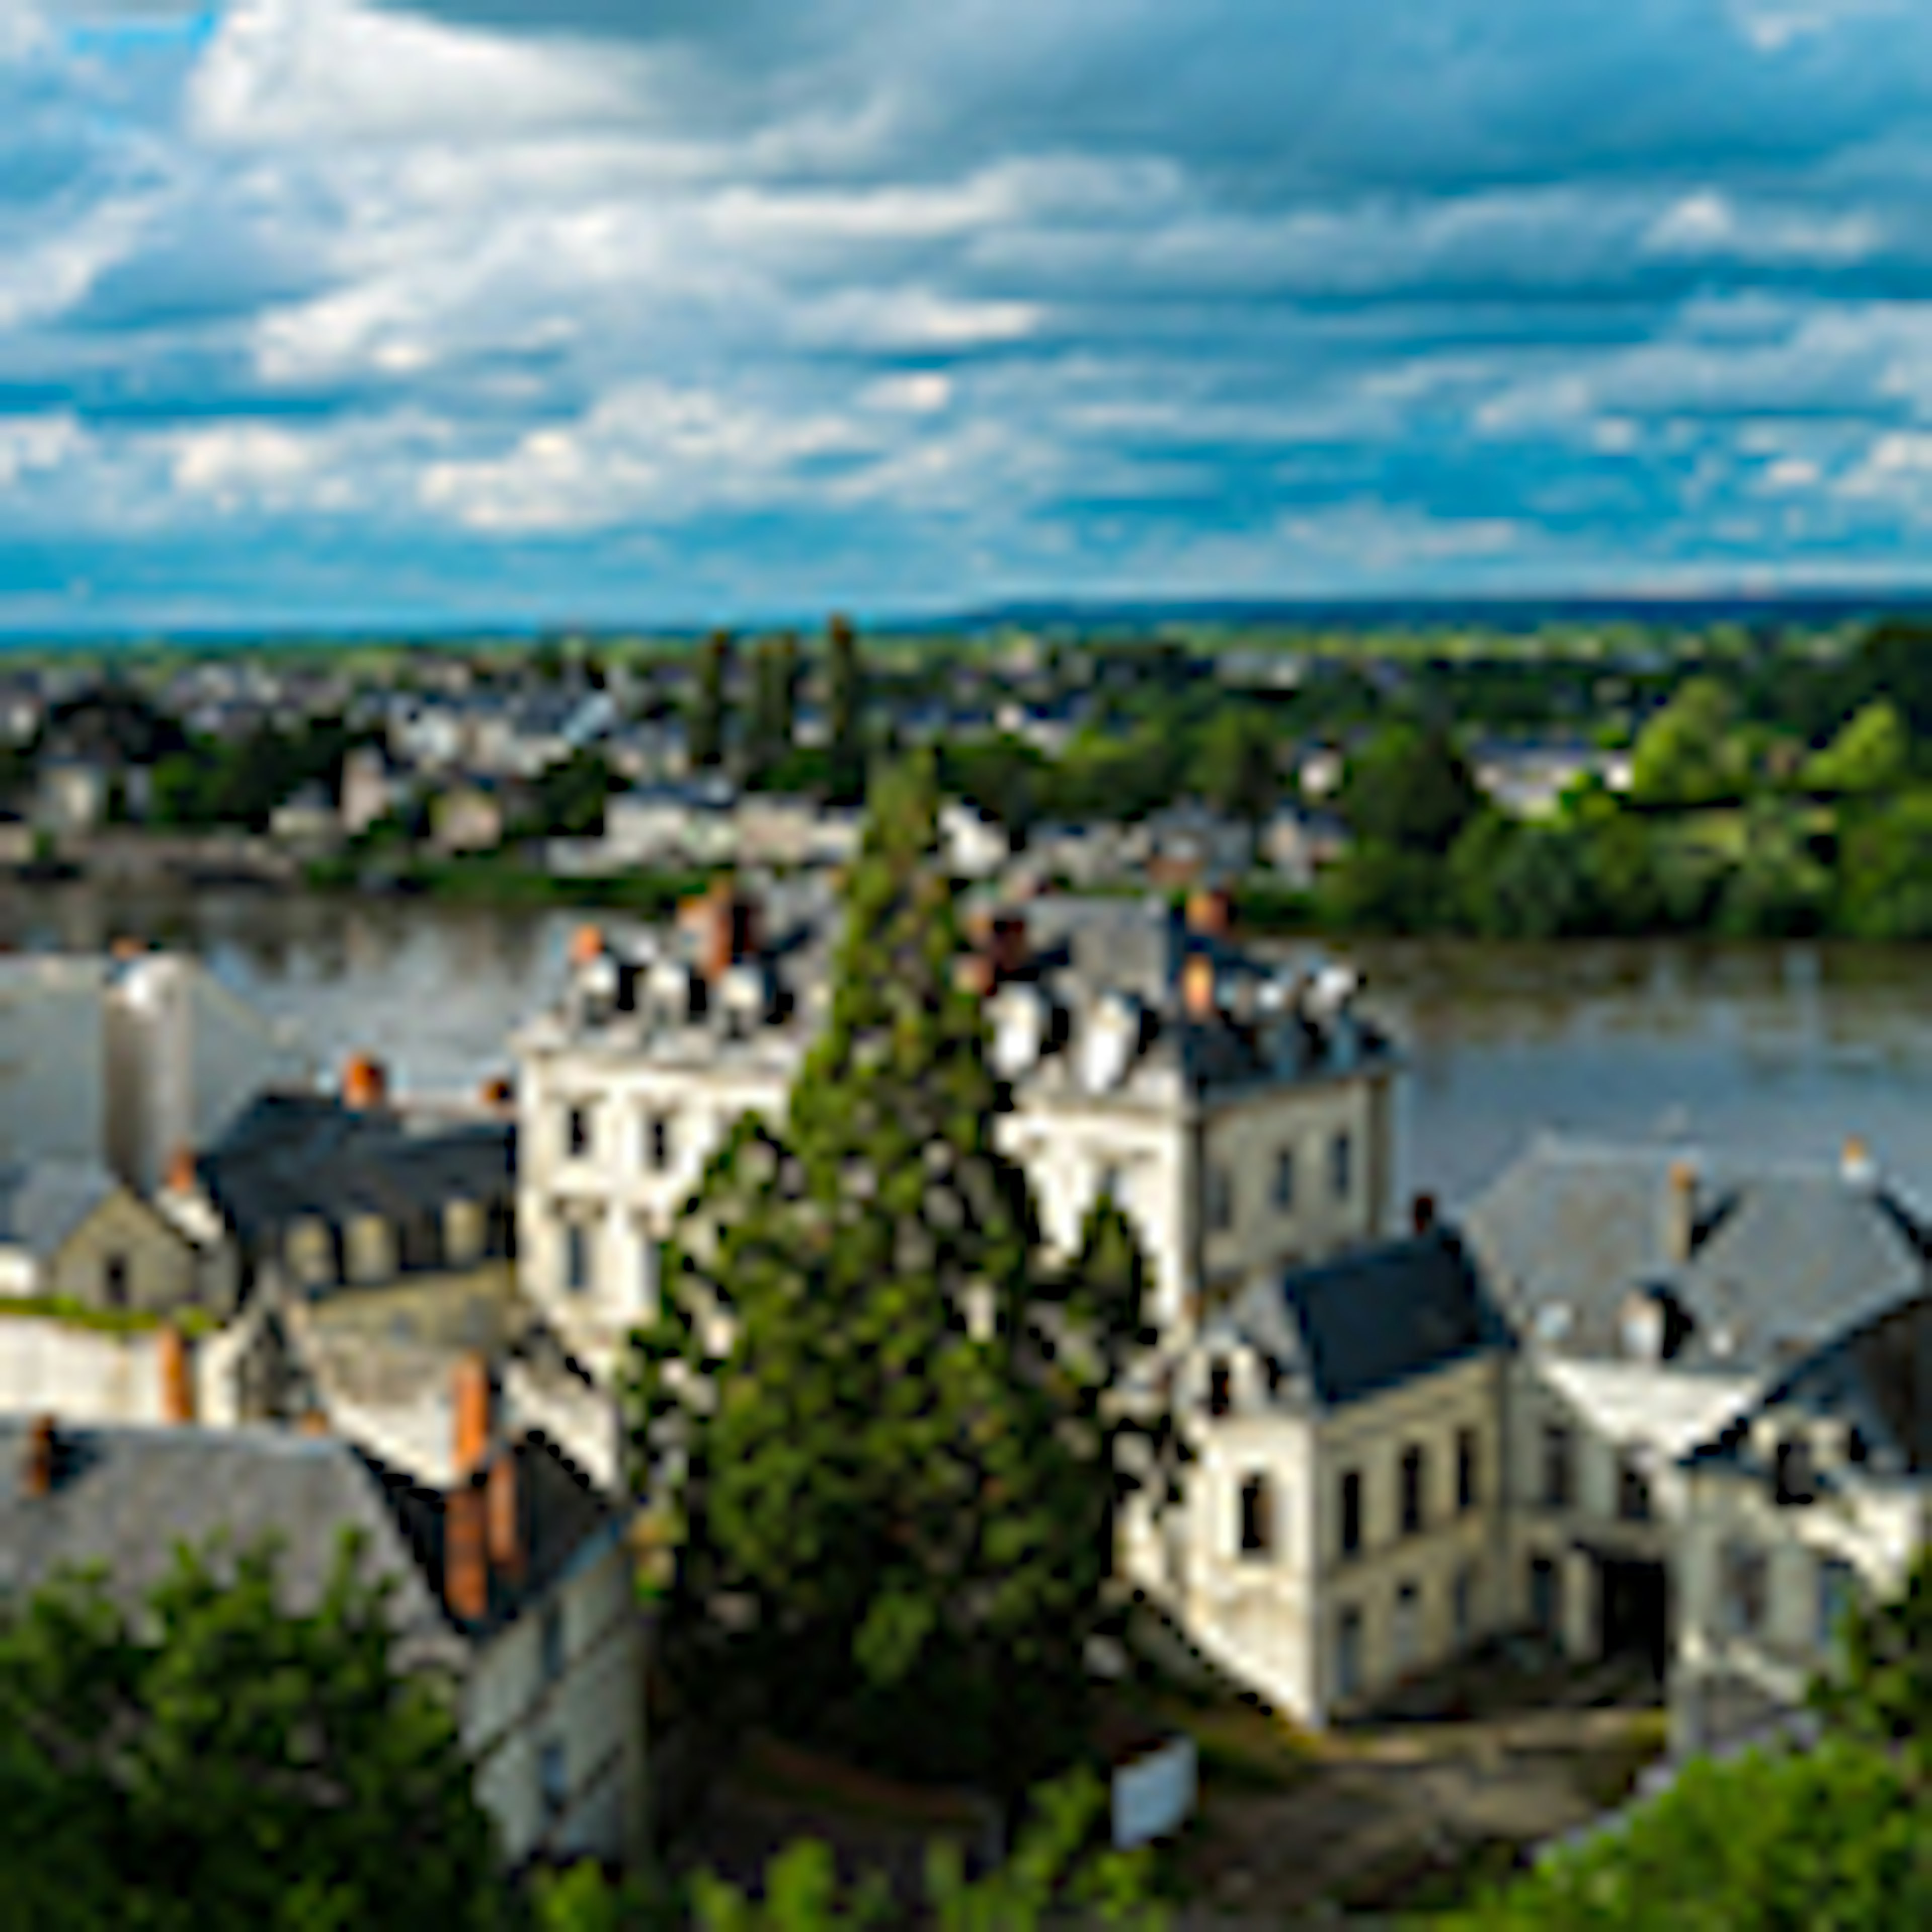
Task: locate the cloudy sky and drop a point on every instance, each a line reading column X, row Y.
column 442, row 311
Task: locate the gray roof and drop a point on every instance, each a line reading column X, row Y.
column 43, row 1202
column 1784, row 1256
column 128, row 1497
column 1372, row 1320
column 1877, row 1378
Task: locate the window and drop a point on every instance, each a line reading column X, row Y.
column 1559, row 1469
column 1341, row 1166
column 1220, row 1199
column 657, row 1143
column 1257, row 1525
column 1837, row 1592
column 1468, row 1472
column 1546, row 1598
column 1743, row 1586
column 114, row 1281
column 1351, row 1513
column 1220, row 1389
column 553, row 1782
column 1414, row 1477
column 1284, row 1179
column 1795, row 1477
column 551, row 1642
column 1462, row 1605
column 576, row 1257
column 576, row 1133
column 1349, row 1654
column 1634, row 1500
column 1408, row 1631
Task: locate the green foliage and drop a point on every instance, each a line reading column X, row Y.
column 1830, row 1841
column 705, row 730
column 219, row 784
column 1512, row 881
column 845, row 713
column 1409, row 788
column 571, row 797
column 1689, row 753
column 1235, row 767
column 222, row 1764
column 1777, row 889
column 774, row 704
column 1871, row 753
column 1885, row 871
column 891, row 1466
column 1880, row 1694
column 1382, row 888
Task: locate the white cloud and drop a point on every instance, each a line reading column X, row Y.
column 30, row 446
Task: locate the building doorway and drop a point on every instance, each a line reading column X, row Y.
column 1636, row 1611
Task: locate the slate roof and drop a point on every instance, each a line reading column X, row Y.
column 1371, row 1321
column 1877, row 1378
column 43, row 1202
column 1786, row 1256
column 128, row 1497
column 291, row 1157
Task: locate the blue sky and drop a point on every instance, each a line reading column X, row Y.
column 350, row 311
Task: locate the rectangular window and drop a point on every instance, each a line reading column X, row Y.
column 1415, row 1478
column 1559, row 1469
column 1349, row 1654
column 576, row 1133
column 1463, row 1606
column 1744, row 1586
column 114, row 1281
column 1546, row 1598
column 1633, row 1501
column 1220, row 1389
column 1408, row 1632
column 1284, row 1180
column 1341, row 1166
column 576, row 1257
column 657, row 1143
column 553, row 1781
column 1351, row 1513
column 1220, row 1199
column 1468, row 1470
column 1837, row 1592
column 1257, row 1526
column 550, row 1641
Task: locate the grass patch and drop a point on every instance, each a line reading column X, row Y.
column 105, row 1320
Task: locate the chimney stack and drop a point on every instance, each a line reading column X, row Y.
column 125, row 949
column 499, row 1094
column 365, row 1083
column 182, row 1176
column 176, row 1368
column 37, row 1475
column 1422, row 1215
column 314, row 1422
column 475, row 1419
column 1856, row 1166
column 1680, row 1212
column 1200, row 988
column 1210, row 912
column 466, row 1555
column 506, row 1515
column 586, row 945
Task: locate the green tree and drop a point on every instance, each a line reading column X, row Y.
column 1409, row 788
column 705, row 730
column 1512, row 881
column 845, row 709
column 1778, row 889
column 894, row 1503
column 1378, row 889
column 1234, row 767
column 1881, row 1692
column 222, row 1764
column 774, row 706
column 1885, row 871
column 1687, row 755
column 571, row 796
column 1872, row 753
column 1834, row 1839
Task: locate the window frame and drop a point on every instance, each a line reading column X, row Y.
column 1283, row 1183
column 1557, row 1477
column 1256, row 1525
column 1352, row 1514
column 1468, row 1469
column 1341, row 1164
column 580, row 1134
column 580, row 1270
column 1413, row 1489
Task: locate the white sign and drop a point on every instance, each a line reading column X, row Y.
column 1155, row 1794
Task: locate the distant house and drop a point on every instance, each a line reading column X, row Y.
column 1298, row 842
column 1190, row 844
column 371, row 789
column 469, row 816
column 1529, row 780
column 514, row 1582
column 71, row 796
column 69, row 1231
column 977, row 846
column 306, row 818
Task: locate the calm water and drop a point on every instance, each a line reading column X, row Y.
column 1784, row 1050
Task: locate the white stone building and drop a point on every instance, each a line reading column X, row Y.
column 1241, row 1116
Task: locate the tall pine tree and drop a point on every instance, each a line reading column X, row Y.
column 882, row 1412
column 706, row 731
column 845, row 712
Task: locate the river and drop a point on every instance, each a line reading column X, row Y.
column 1782, row 1050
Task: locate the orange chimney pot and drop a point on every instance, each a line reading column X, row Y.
column 365, row 1082
column 586, row 945
column 465, row 1560
column 1200, row 988
column 505, row 1518
column 474, row 1417
column 176, row 1370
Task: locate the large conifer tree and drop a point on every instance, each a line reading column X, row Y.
column 881, row 1412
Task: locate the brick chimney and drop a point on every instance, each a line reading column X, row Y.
column 1200, row 988
column 36, row 1468
column 125, row 949
column 1422, row 1215
column 176, row 1366
column 506, row 1515
column 1680, row 1212
column 465, row 1554
column 365, row 1082
column 1210, row 912
column 586, row 945
column 182, row 1176
column 474, row 1403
